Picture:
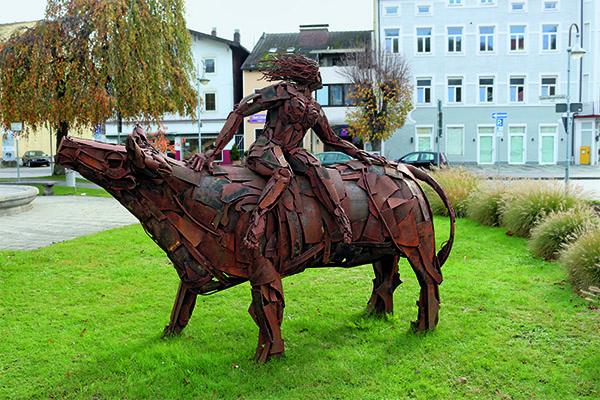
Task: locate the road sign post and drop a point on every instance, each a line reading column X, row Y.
column 499, row 117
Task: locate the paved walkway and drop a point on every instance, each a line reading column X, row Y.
column 58, row 218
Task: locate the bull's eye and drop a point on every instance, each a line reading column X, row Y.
column 115, row 160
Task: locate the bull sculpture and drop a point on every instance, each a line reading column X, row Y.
column 199, row 219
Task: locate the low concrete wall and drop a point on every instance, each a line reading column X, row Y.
column 15, row 199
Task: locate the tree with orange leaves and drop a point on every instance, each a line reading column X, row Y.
column 91, row 60
column 381, row 97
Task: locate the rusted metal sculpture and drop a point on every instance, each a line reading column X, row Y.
column 200, row 219
column 224, row 225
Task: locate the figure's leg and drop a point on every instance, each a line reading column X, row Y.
column 271, row 162
column 429, row 301
column 267, row 310
column 386, row 281
column 185, row 300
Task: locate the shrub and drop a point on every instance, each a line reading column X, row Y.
column 458, row 183
column 528, row 201
column 234, row 153
column 582, row 259
column 484, row 204
column 561, row 228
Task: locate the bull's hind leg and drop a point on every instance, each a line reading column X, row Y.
column 182, row 311
column 386, row 281
column 267, row 310
column 429, row 300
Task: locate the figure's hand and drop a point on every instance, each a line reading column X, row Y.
column 200, row 160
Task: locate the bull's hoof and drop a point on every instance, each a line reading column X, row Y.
column 171, row 330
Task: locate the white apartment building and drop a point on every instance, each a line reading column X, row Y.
column 496, row 70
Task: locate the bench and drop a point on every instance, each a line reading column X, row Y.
column 47, row 185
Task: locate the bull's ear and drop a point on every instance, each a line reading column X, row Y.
column 140, row 137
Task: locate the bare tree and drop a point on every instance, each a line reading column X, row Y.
column 382, row 93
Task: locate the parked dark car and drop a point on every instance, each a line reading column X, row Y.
column 333, row 157
column 424, row 159
column 35, row 157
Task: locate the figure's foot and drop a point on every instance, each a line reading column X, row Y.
column 344, row 224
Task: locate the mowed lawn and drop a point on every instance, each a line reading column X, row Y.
column 83, row 320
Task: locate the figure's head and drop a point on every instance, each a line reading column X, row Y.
column 292, row 68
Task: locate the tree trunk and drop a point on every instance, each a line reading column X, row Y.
column 61, row 132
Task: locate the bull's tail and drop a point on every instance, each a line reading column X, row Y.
column 444, row 252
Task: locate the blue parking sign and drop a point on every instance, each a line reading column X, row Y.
column 499, row 122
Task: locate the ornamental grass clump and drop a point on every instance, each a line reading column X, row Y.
column 528, row 202
column 559, row 229
column 581, row 259
column 484, row 204
column 458, row 183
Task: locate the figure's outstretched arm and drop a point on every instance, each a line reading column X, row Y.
column 250, row 105
column 324, row 132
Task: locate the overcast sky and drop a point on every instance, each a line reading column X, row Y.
column 252, row 18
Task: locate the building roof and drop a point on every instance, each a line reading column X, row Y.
column 311, row 41
column 230, row 43
column 6, row 30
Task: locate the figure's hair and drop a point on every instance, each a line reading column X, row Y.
column 290, row 67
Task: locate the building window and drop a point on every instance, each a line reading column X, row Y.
column 486, row 90
column 548, row 86
column 516, row 144
column 424, row 40
column 424, row 91
column 391, row 11
column 455, row 141
column 392, row 40
column 486, row 39
column 335, row 95
column 455, row 2
column 210, row 101
column 517, row 38
column 424, row 10
column 518, row 6
column 486, row 2
column 454, row 90
column 210, row 65
column 455, row 40
column 517, row 90
column 549, row 36
column 550, row 5
column 424, row 136
column 548, row 144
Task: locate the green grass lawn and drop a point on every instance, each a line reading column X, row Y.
column 83, row 319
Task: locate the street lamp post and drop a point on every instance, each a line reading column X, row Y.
column 576, row 53
column 202, row 80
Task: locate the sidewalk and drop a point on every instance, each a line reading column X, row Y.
column 58, row 218
column 576, row 172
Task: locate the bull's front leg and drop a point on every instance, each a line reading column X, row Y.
column 185, row 301
column 267, row 310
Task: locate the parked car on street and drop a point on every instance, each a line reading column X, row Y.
column 35, row 157
column 424, row 159
column 332, row 157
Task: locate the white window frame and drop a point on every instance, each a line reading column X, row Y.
column 418, row 38
column 424, row 103
column 510, row 87
column 555, row 136
column 543, row 35
column 480, row 86
column 418, row 6
column 520, row 2
column 519, row 36
column 542, row 85
column 421, row 135
column 555, row 9
column 388, row 13
column 392, row 38
column 204, row 93
column 494, row 40
column 204, row 59
column 454, row 37
column 461, row 87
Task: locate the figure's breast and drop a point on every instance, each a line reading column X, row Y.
column 301, row 110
